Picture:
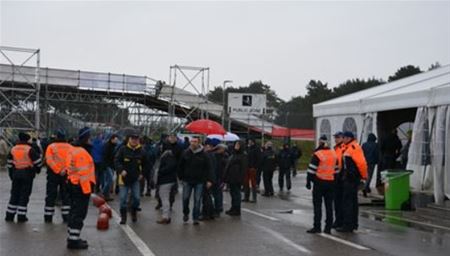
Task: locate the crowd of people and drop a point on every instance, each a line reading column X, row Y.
column 134, row 166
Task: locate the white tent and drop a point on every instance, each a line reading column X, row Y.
column 423, row 99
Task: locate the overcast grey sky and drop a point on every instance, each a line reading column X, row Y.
column 284, row 44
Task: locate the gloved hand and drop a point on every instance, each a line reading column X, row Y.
column 308, row 185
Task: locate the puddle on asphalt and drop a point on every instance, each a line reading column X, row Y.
column 396, row 218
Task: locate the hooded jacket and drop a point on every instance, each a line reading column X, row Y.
column 370, row 149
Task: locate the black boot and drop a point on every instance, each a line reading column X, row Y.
column 123, row 216
column 313, row 231
column 9, row 217
column 48, row 218
column 134, row 215
column 22, row 218
column 77, row 244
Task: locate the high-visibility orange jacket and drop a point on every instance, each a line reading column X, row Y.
column 339, row 149
column 323, row 164
column 57, row 156
column 354, row 156
column 81, row 169
column 21, row 157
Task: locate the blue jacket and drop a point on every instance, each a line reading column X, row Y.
column 97, row 150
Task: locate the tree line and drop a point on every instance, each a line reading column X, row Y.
column 297, row 112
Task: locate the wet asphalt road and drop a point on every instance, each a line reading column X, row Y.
column 273, row 226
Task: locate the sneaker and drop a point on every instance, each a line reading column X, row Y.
column 158, row 206
column 185, row 218
column 148, row 193
column 313, row 231
column 327, row 231
column 196, row 223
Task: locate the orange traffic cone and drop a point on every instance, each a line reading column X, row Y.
column 103, row 221
column 104, row 208
column 98, row 201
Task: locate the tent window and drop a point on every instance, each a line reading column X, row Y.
column 350, row 125
column 325, row 128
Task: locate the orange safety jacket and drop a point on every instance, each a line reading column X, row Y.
column 21, row 157
column 57, row 156
column 355, row 152
column 81, row 169
column 339, row 149
column 327, row 164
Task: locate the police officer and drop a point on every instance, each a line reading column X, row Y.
column 354, row 169
column 80, row 179
column 339, row 149
column 321, row 172
column 23, row 163
column 56, row 158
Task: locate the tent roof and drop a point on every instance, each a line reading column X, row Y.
column 429, row 88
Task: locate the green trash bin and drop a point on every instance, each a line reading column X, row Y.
column 396, row 188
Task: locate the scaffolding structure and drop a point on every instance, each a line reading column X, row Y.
column 20, row 104
column 192, row 79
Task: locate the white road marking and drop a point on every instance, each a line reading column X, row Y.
column 342, row 241
column 285, row 240
column 259, row 214
column 135, row 239
column 409, row 220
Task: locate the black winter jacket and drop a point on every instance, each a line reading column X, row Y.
column 133, row 161
column 195, row 167
column 284, row 159
column 254, row 157
column 167, row 172
column 269, row 160
column 235, row 168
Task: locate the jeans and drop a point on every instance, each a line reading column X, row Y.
column 99, row 175
column 107, row 182
column 218, row 198
column 235, row 193
column 187, row 191
column 135, row 195
column 165, row 191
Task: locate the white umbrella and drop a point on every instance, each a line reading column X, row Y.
column 230, row 137
column 215, row 136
